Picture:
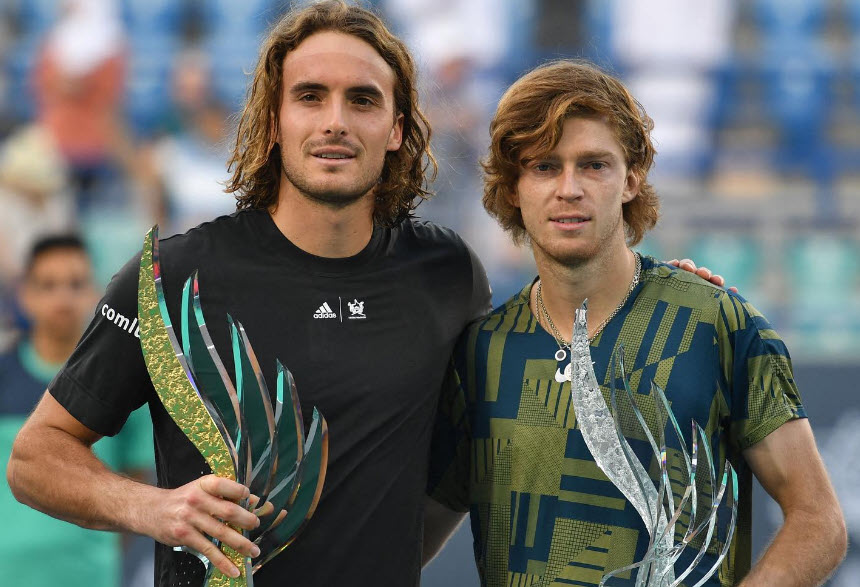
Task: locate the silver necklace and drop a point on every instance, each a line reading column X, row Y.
column 563, row 345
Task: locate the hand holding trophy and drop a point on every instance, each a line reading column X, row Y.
column 243, row 432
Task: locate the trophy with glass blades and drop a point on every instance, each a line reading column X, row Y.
column 602, row 431
column 243, row 432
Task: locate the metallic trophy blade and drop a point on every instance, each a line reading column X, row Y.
column 256, row 407
column 598, row 427
column 176, row 385
column 602, row 432
column 241, row 431
column 291, row 442
column 211, row 385
column 243, row 441
column 228, row 401
column 315, row 461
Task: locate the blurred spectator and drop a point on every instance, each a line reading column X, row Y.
column 78, row 81
column 33, row 198
column 186, row 166
column 57, row 296
column 461, row 49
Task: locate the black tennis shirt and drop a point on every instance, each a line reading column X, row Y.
column 374, row 373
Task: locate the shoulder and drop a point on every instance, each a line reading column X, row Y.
column 237, row 226
column 425, row 233
column 666, row 275
column 729, row 312
column 433, row 245
column 514, row 315
column 664, row 283
column 209, row 244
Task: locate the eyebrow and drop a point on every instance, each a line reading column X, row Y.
column 597, row 155
column 584, row 156
column 362, row 90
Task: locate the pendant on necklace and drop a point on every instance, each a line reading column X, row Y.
column 562, row 376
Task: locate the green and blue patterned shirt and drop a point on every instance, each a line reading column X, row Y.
column 508, row 448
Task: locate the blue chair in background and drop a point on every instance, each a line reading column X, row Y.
column 32, row 19
column 234, row 33
column 150, row 18
column 598, row 23
column 35, row 17
column 797, row 71
column 148, row 81
column 237, row 19
column 18, row 65
column 823, row 286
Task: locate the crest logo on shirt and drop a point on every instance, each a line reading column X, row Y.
column 356, row 310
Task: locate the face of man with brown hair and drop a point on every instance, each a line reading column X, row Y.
column 57, row 294
column 571, row 199
column 337, row 119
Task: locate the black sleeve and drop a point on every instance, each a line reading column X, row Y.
column 482, row 297
column 451, row 447
column 106, row 379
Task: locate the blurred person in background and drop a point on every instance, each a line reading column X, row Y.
column 34, row 200
column 34, row 196
column 464, row 52
column 185, row 166
column 78, row 82
column 509, row 447
column 57, row 297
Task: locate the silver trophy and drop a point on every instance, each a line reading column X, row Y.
column 602, row 431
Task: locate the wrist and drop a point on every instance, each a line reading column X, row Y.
column 135, row 510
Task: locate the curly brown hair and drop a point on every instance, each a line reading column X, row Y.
column 531, row 115
column 255, row 162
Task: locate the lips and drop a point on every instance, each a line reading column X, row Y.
column 570, row 219
column 333, row 153
column 334, row 156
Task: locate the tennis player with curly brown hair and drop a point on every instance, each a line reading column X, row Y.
column 329, row 273
column 568, row 172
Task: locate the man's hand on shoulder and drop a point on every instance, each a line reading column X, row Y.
column 703, row 272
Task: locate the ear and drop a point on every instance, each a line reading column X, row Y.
column 395, row 139
column 631, row 187
column 274, row 137
column 513, row 197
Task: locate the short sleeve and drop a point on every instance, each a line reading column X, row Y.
column 482, row 296
column 448, row 479
column 105, row 379
column 757, row 367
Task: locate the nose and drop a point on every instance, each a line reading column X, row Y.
column 569, row 187
column 335, row 120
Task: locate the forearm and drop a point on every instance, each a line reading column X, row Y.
column 56, row 473
column 440, row 523
column 807, row 548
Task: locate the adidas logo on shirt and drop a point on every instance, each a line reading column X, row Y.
column 325, row 311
